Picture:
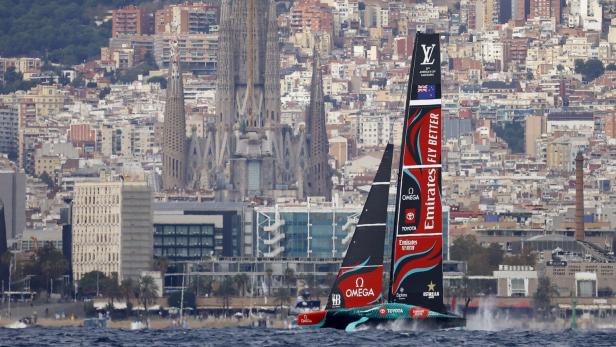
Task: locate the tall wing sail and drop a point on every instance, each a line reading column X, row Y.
column 360, row 278
column 416, row 268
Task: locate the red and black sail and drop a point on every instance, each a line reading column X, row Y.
column 360, row 278
column 416, row 268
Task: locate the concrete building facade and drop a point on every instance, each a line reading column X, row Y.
column 130, row 20
column 9, row 131
column 192, row 18
column 572, row 278
column 191, row 231
column 112, row 228
column 13, row 195
column 534, row 126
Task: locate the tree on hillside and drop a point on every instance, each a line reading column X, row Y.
column 13, row 81
column 589, row 69
column 47, row 180
column 512, row 133
column 62, row 31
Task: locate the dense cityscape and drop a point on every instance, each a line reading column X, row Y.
column 229, row 154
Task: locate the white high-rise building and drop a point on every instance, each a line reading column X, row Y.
column 592, row 15
column 587, row 14
column 374, row 130
column 112, row 228
column 9, row 130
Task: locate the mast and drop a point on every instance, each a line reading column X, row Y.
column 360, row 278
column 10, row 275
column 416, row 276
column 182, row 298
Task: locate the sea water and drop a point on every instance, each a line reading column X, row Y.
column 230, row 337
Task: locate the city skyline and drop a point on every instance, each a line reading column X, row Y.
column 258, row 136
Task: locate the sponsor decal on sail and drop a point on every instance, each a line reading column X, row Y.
column 423, row 215
column 359, row 290
column 422, row 145
column 431, row 293
column 400, row 294
column 410, row 195
column 409, row 215
column 426, row 62
column 336, row 300
column 428, row 52
column 415, row 255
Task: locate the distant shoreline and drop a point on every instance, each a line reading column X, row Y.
column 155, row 323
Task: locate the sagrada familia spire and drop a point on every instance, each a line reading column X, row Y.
column 318, row 181
column 247, row 152
column 174, row 142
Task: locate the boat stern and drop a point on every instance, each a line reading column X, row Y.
column 314, row 319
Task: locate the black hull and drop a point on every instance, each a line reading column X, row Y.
column 437, row 323
column 350, row 320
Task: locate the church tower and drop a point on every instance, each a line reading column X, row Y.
column 174, row 127
column 318, row 180
column 249, row 149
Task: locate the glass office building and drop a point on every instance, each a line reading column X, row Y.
column 175, row 241
column 319, row 230
column 197, row 230
column 315, row 230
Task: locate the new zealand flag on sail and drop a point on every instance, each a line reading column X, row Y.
column 426, row 91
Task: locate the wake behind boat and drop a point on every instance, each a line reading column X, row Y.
column 416, row 275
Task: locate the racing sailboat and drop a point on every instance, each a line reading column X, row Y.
column 416, row 276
